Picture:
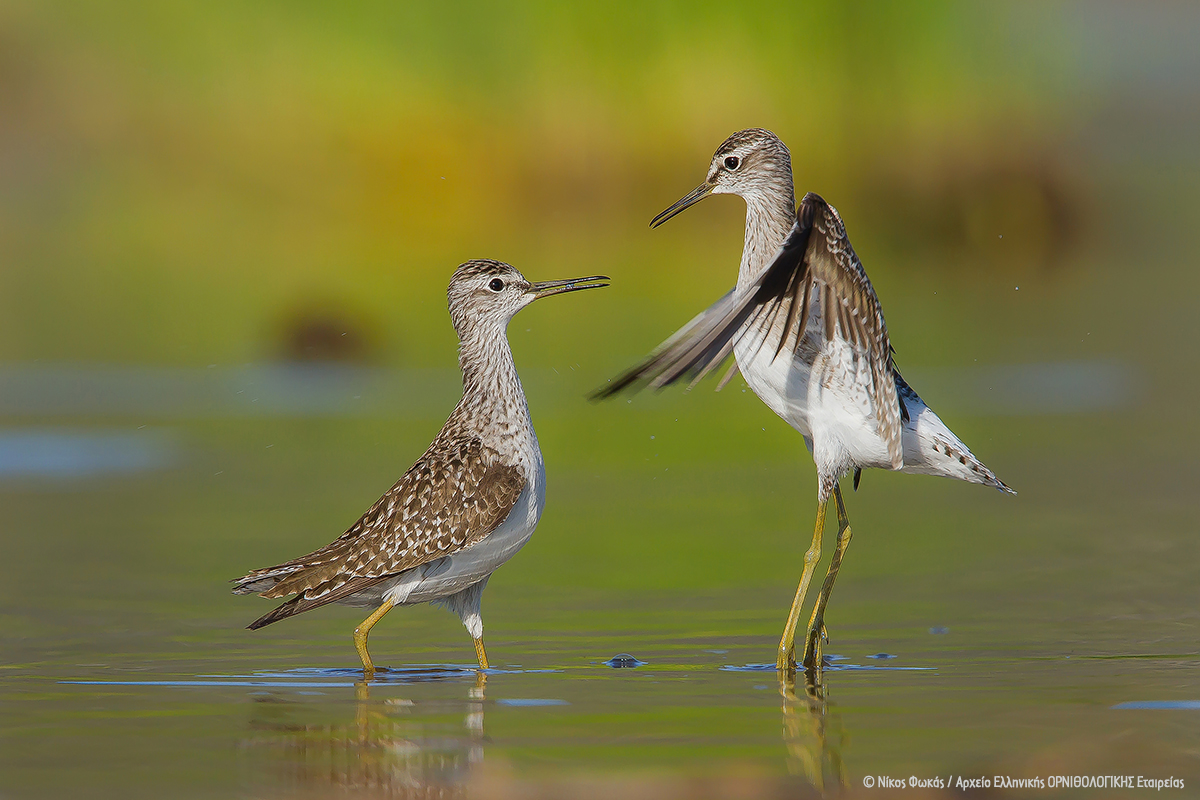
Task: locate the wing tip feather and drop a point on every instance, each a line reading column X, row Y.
column 281, row 611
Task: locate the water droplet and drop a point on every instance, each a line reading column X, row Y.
column 624, row 661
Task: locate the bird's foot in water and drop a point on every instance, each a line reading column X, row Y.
column 814, row 645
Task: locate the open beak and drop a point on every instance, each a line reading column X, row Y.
column 547, row 288
column 687, row 201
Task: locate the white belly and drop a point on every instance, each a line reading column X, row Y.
column 828, row 400
column 781, row 383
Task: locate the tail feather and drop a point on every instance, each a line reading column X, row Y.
column 931, row 448
column 937, row 451
column 250, row 585
column 262, row 580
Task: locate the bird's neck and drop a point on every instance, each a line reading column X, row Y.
column 493, row 402
column 769, row 217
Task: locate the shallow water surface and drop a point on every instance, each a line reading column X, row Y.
column 947, row 704
column 971, row 633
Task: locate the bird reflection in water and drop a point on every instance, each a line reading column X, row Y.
column 813, row 737
column 391, row 748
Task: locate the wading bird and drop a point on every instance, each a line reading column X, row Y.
column 807, row 332
column 467, row 505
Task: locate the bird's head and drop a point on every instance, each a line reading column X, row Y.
column 749, row 163
column 489, row 293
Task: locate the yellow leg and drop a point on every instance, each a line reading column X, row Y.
column 480, row 653
column 816, row 625
column 787, row 645
column 360, row 638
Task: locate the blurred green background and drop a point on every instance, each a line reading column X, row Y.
column 211, row 182
column 226, row 231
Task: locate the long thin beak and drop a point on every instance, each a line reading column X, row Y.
column 687, row 201
column 548, row 288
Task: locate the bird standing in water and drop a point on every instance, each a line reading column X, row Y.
column 468, row 504
column 807, row 332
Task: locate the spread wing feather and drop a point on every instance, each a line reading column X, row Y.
column 456, row 494
column 816, row 266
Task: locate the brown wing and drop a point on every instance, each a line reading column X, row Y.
column 456, row 494
column 815, row 265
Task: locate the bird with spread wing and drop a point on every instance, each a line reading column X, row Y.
column 807, row 332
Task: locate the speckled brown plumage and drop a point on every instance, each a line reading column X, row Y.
column 456, row 493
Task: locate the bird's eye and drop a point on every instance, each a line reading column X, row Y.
column 732, row 162
column 496, row 284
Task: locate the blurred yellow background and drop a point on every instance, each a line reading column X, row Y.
column 224, row 182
